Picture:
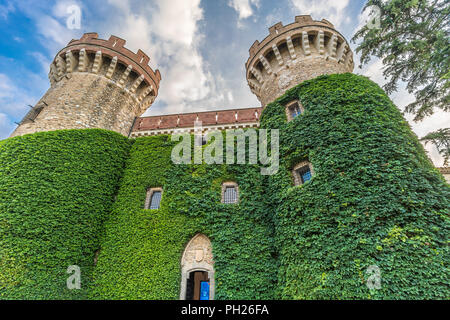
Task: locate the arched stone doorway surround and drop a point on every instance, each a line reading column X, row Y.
column 197, row 257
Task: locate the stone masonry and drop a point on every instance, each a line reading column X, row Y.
column 294, row 53
column 95, row 83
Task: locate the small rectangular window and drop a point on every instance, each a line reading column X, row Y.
column 156, row 200
column 295, row 110
column 230, row 195
column 304, row 173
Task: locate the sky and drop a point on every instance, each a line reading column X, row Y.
column 199, row 46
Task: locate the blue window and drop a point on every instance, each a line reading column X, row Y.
column 304, row 173
column 204, row 290
column 156, row 200
column 294, row 109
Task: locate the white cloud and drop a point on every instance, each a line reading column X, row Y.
column 61, row 8
column 169, row 35
column 5, row 9
column 14, row 99
column 50, row 22
column 363, row 18
column 332, row 10
column 42, row 60
column 135, row 29
column 7, row 88
column 51, row 29
column 184, row 16
column 6, row 126
column 375, row 72
column 14, row 103
column 230, row 96
column 244, row 7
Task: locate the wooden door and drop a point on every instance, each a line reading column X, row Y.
column 199, row 277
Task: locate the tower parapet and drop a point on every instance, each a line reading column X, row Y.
column 294, row 53
column 95, row 83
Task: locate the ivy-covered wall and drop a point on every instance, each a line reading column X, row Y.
column 375, row 198
column 56, row 190
column 142, row 249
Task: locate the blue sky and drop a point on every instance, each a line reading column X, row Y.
column 200, row 47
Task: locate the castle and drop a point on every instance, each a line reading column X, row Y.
column 86, row 181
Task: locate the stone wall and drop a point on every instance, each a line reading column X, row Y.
column 294, row 53
column 95, row 83
column 83, row 101
column 446, row 173
column 295, row 72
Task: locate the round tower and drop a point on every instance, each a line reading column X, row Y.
column 95, row 83
column 294, row 53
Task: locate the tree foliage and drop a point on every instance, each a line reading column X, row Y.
column 413, row 41
column 441, row 139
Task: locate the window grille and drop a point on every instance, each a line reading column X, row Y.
column 156, row 200
column 230, row 195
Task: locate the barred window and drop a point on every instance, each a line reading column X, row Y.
column 153, row 200
column 230, row 193
column 156, row 200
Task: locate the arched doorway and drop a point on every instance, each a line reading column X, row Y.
column 197, row 271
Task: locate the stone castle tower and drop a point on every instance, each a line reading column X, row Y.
column 95, row 83
column 294, row 53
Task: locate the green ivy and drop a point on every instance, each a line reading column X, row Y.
column 375, row 199
column 56, row 189
column 142, row 249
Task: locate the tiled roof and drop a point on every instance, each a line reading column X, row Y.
column 187, row 120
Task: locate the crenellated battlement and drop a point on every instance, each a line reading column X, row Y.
column 110, row 59
column 294, row 53
column 278, row 28
column 95, row 83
